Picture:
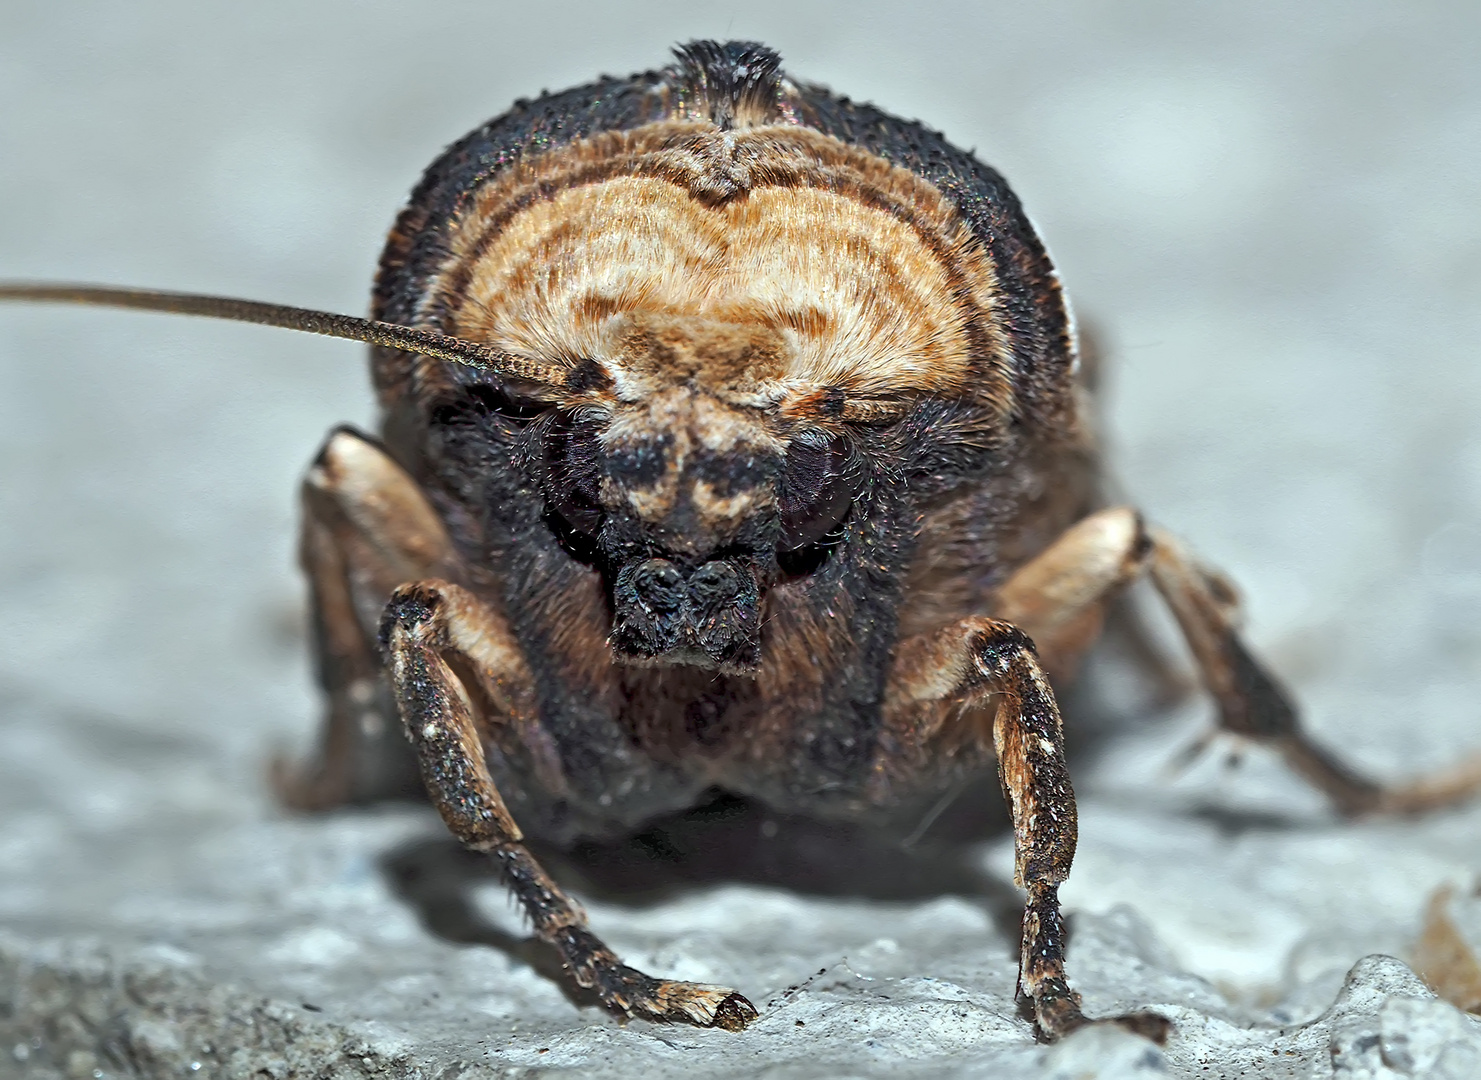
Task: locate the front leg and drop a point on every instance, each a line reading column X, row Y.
column 444, row 648
column 946, row 688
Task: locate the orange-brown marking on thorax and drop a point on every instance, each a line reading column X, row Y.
column 861, row 275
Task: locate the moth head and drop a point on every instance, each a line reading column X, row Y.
column 695, row 478
column 687, row 466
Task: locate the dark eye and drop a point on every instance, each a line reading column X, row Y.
column 573, row 473
column 506, row 403
column 479, row 403
column 819, row 484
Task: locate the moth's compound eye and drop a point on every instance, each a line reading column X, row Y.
column 507, row 403
column 820, row 480
column 573, row 473
column 490, row 407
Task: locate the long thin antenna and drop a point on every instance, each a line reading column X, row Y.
column 423, row 342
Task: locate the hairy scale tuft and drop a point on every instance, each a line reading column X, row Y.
column 734, row 83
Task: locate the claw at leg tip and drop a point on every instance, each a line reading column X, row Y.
column 734, row 1013
column 704, row 1006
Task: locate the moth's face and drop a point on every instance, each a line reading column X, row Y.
column 728, row 304
column 692, row 490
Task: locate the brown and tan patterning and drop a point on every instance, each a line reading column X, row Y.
column 733, row 439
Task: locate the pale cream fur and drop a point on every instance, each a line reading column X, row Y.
column 868, row 275
column 855, row 293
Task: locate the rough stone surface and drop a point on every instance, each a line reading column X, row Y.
column 1269, row 209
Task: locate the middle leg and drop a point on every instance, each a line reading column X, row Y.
column 1252, row 705
column 1059, row 598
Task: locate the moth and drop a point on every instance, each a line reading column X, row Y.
column 733, row 437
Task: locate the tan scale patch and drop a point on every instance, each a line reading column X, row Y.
column 868, row 276
column 718, row 511
column 656, row 502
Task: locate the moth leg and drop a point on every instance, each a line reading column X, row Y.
column 365, row 529
column 443, row 647
column 1059, row 598
column 945, row 688
column 1251, row 704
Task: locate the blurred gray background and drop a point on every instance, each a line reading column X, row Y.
column 1269, row 210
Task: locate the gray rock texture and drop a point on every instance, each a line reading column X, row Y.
column 1270, row 210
